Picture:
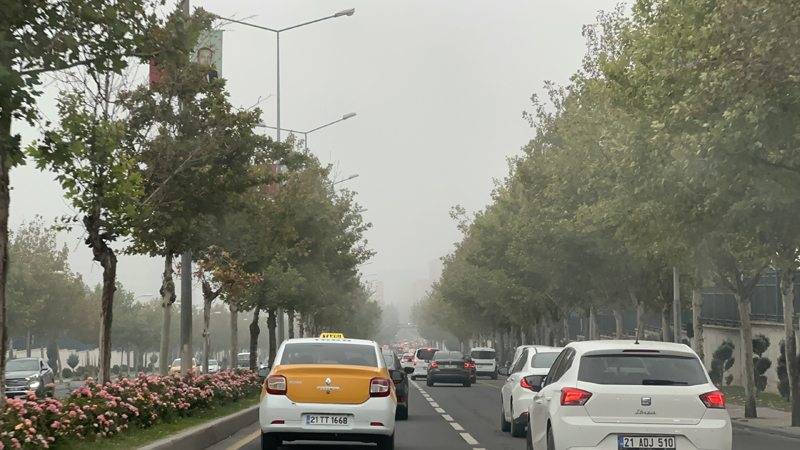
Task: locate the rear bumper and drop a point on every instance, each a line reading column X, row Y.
column 451, row 377
column 581, row 433
column 364, row 419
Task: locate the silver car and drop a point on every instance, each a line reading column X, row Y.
column 25, row 375
column 213, row 366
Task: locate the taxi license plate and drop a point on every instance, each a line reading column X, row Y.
column 328, row 419
column 651, row 442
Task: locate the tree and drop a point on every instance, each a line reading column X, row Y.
column 41, row 37
column 73, row 360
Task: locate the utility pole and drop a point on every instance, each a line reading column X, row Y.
column 676, row 304
column 186, row 289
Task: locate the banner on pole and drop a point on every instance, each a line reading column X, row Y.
column 209, row 52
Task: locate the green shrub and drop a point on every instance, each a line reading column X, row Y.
column 73, row 360
column 721, row 361
column 760, row 363
column 66, row 372
column 115, row 369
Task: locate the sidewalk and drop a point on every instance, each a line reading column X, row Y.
column 771, row 421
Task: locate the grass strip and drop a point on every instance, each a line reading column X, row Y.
column 735, row 395
column 135, row 438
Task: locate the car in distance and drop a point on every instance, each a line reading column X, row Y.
column 422, row 357
column 25, row 375
column 517, row 392
column 628, row 395
column 176, row 366
column 449, row 367
column 213, row 366
column 485, row 359
column 243, row 360
column 329, row 389
column 407, row 360
column 400, row 378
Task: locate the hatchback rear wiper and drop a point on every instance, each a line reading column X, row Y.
column 664, row 383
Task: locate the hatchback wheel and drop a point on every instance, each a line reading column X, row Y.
column 517, row 429
column 270, row 442
column 529, row 439
column 551, row 443
column 504, row 424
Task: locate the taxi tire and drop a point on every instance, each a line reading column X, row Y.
column 270, row 442
column 386, row 442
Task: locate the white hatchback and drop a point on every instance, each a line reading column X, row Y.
column 517, row 392
column 625, row 395
column 422, row 358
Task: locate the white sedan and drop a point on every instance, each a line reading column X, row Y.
column 517, row 392
column 628, row 395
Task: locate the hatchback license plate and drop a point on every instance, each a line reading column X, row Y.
column 327, row 419
column 647, row 442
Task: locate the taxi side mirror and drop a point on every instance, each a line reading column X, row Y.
column 409, row 369
column 503, row 371
column 263, row 372
column 398, row 376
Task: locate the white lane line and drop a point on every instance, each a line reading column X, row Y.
column 470, row 440
column 456, row 426
column 440, row 410
column 434, row 404
column 478, row 449
column 447, row 418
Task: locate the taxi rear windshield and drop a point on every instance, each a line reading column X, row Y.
column 647, row 370
column 483, row 354
column 329, row 353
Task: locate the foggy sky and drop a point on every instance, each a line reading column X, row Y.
column 439, row 89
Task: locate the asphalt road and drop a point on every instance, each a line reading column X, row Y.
column 458, row 418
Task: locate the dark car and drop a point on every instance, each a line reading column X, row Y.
column 400, row 378
column 25, row 375
column 450, row 367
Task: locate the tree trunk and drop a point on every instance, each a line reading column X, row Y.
column 748, row 373
column 209, row 295
column 639, row 315
column 271, row 325
column 255, row 330
column 618, row 322
column 792, row 367
column 290, row 317
column 108, row 260
column 6, row 144
column 168, row 297
column 594, row 329
column 234, row 335
column 666, row 334
column 697, row 320
column 501, row 347
column 587, row 326
column 58, row 362
column 28, row 345
column 565, row 325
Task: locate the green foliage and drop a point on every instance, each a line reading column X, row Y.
column 761, row 363
column 73, row 360
column 721, row 361
column 52, row 355
column 66, row 372
column 115, row 369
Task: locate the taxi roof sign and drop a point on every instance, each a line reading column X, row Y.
column 331, row 336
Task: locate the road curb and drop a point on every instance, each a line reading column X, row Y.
column 772, row 431
column 206, row 435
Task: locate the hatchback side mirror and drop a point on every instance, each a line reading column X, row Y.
column 398, row 376
column 503, row 371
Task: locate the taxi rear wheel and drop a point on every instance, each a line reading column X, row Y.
column 386, row 442
column 270, row 442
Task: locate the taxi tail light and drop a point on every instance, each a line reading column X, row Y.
column 276, row 385
column 380, row 387
column 713, row 400
column 574, row 397
column 433, row 364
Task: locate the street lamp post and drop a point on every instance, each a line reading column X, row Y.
column 343, row 13
column 306, row 133
column 355, row 175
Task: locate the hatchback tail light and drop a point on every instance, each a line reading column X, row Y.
column 713, row 400
column 380, row 387
column 433, row 364
column 276, row 385
column 526, row 384
column 415, row 361
column 574, row 397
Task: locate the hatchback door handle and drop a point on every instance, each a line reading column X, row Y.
column 547, row 399
column 538, row 401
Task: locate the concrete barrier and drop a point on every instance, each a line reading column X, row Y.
column 208, row 434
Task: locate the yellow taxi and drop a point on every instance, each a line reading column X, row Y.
column 176, row 366
column 328, row 389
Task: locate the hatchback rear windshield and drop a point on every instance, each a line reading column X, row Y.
column 425, row 354
column 329, row 353
column 652, row 370
column 483, row 354
column 388, row 359
column 544, row 360
column 441, row 356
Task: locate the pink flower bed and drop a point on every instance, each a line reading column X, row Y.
column 97, row 411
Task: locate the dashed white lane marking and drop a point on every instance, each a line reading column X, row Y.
column 440, row 410
column 456, row 426
column 434, row 404
column 470, row 440
column 447, row 418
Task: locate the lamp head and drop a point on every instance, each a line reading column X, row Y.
column 348, row 115
column 346, row 12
